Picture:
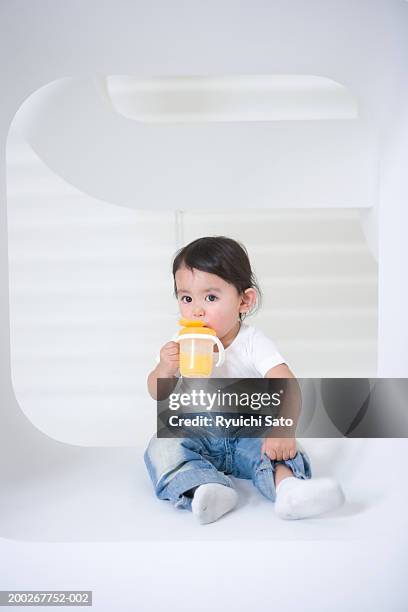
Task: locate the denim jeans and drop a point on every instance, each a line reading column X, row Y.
column 176, row 465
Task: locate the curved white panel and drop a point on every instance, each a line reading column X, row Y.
column 73, row 128
column 230, row 98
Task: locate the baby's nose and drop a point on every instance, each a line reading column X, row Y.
column 198, row 312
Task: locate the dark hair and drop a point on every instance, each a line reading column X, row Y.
column 222, row 256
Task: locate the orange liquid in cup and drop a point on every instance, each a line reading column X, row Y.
column 196, row 357
column 195, row 365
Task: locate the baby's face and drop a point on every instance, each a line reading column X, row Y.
column 207, row 297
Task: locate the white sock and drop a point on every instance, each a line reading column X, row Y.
column 212, row 500
column 298, row 498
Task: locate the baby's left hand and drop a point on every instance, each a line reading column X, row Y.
column 279, row 449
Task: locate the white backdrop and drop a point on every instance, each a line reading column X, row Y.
column 361, row 44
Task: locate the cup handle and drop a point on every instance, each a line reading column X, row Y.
column 221, row 352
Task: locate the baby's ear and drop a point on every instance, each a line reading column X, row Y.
column 250, row 293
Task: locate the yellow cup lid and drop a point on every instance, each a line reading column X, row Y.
column 195, row 327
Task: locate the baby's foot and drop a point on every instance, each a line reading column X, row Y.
column 212, row 500
column 298, row 498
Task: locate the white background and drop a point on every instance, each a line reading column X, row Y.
column 359, row 44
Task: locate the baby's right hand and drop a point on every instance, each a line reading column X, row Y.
column 169, row 359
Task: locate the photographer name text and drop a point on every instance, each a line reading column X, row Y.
column 226, row 422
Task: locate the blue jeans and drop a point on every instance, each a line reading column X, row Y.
column 176, row 465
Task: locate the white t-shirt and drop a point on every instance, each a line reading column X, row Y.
column 250, row 355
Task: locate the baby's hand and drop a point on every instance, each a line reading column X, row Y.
column 169, row 359
column 279, row 449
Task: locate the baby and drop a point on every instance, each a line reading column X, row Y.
column 214, row 283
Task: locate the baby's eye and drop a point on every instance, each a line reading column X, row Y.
column 212, row 296
column 185, row 296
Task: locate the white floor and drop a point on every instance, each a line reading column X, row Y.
column 87, row 518
column 76, row 494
